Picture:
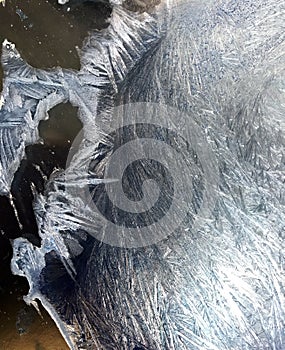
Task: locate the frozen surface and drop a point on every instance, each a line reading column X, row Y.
column 217, row 281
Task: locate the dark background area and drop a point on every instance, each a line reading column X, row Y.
column 46, row 34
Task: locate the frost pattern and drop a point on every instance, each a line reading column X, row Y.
column 28, row 93
column 219, row 287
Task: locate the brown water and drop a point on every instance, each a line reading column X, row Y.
column 21, row 327
column 46, row 35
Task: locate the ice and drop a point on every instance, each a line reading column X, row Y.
column 217, row 280
column 27, row 96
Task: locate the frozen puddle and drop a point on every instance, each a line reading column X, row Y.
column 166, row 229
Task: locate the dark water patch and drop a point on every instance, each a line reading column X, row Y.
column 62, row 126
column 46, row 34
column 21, row 327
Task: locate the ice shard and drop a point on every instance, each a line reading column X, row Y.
column 196, row 92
